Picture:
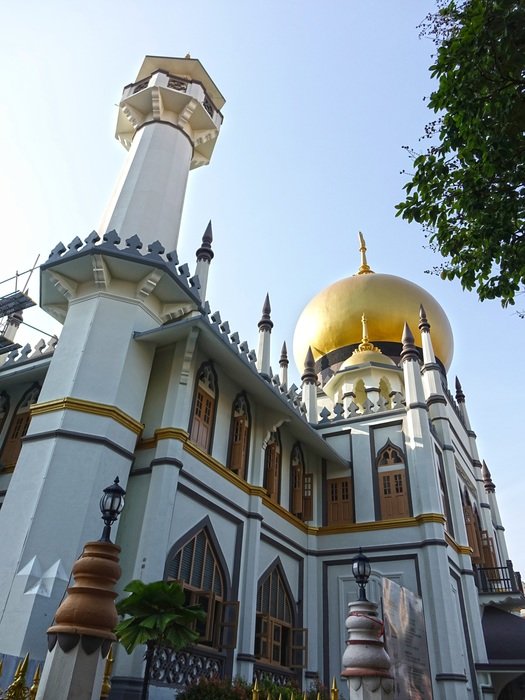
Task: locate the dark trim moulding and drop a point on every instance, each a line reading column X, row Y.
column 81, row 437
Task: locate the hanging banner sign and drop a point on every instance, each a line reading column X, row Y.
column 406, row 642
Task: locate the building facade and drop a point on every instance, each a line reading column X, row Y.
column 253, row 493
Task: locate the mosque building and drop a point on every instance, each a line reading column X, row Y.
column 253, row 493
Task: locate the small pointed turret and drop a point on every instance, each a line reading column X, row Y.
column 490, row 486
column 205, row 252
column 204, row 257
column 364, row 268
column 409, row 351
column 266, row 323
column 429, row 357
column 309, row 374
column 309, row 380
column 265, row 326
column 495, row 517
column 460, row 396
column 283, row 364
column 424, row 325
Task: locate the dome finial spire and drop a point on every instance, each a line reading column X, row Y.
column 364, row 268
column 365, row 344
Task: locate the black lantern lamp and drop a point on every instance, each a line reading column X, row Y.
column 361, row 569
column 111, row 505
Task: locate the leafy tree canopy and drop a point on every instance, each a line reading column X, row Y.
column 156, row 612
column 468, row 187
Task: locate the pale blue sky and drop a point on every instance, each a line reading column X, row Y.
column 321, row 96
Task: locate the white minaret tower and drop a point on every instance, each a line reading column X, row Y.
column 169, row 120
column 106, row 291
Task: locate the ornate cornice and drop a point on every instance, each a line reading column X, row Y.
column 68, row 403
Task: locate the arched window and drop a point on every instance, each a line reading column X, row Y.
column 197, row 567
column 301, row 491
column 272, row 466
column 392, row 482
column 18, row 428
column 239, row 436
column 277, row 640
column 204, row 402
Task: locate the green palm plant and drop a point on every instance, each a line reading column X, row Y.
column 157, row 617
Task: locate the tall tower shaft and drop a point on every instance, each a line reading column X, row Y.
column 169, row 120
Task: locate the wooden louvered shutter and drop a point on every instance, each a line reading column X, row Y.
column 308, row 501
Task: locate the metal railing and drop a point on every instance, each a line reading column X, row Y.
column 498, row 579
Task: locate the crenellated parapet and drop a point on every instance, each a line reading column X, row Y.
column 291, row 395
column 123, row 268
column 19, row 356
column 340, row 412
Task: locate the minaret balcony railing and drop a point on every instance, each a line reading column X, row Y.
column 498, row 579
column 174, row 82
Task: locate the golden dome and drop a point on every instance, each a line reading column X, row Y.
column 332, row 319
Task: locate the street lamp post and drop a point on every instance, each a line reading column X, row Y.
column 361, row 569
column 366, row 665
column 111, row 505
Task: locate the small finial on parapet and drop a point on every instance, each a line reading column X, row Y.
column 283, row 364
column 205, row 252
column 460, row 396
column 283, row 360
column 309, row 374
column 364, row 268
column 187, row 56
column 365, row 344
column 490, row 486
column 424, row 325
column 309, row 388
column 266, row 323
column 409, row 351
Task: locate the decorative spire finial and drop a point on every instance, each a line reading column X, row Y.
column 283, row 360
column 409, row 351
column 309, row 373
column 266, row 323
column 424, row 325
column 460, row 396
column 364, row 269
column 365, row 344
column 205, row 252
column 487, row 479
